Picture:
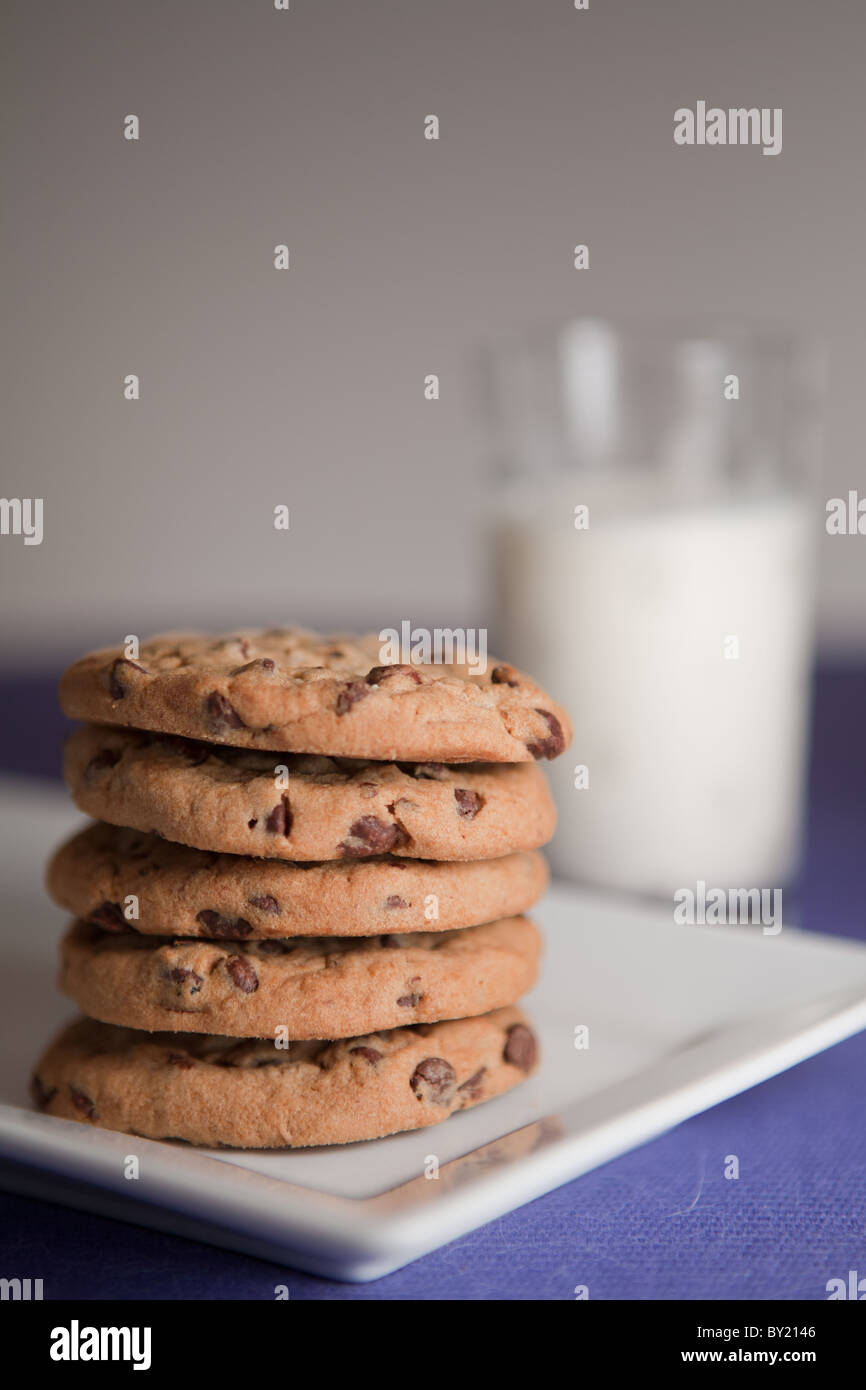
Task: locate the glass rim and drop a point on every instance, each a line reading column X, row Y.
column 670, row 329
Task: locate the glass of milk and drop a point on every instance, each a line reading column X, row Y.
column 653, row 550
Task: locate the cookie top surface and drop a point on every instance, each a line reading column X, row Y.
column 309, row 987
column 295, row 691
column 222, row 1092
column 304, row 806
column 129, row 880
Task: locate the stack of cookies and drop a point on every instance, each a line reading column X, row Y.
column 299, row 911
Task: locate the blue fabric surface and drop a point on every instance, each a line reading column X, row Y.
column 660, row 1222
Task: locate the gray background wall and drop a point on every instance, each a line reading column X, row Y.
column 306, row 387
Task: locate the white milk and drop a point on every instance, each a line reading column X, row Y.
column 695, row 760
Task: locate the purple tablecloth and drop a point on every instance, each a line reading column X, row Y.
column 661, row 1222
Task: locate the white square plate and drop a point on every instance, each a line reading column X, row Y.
column 679, row 1018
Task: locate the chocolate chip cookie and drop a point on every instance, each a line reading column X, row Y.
column 105, row 873
column 310, row 987
column 294, row 691
column 223, row 1093
column 305, row 807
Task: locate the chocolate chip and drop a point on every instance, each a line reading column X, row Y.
column 251, row 824
column 350, row 695
column 390, row 943
column 395, row 901
column 468, row 803
column 471, row 1089
column 279, row 822
column 369, row 1054
column 504, row 675
column 264, row 902
column 110, row 917
column 180, row 1060
column 395, row 807
column 135, row 845
column 434, row 1080
column 193, row 753
column 520, row 1047
column 242, row 973
column 222, row 714
column 116, row 686
column 377, row 674
column 435, row 772
column 106, row 758
column 320, row 768
column 40, row 1093
column 223, row 927
column 183, row 977
column 186, row 748
column 369, row 836
column 411, row 999
column 275, row 947
column 552, row 746
column 261, row 663
column 82, row 1103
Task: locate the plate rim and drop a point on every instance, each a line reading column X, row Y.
column 357, row 1239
